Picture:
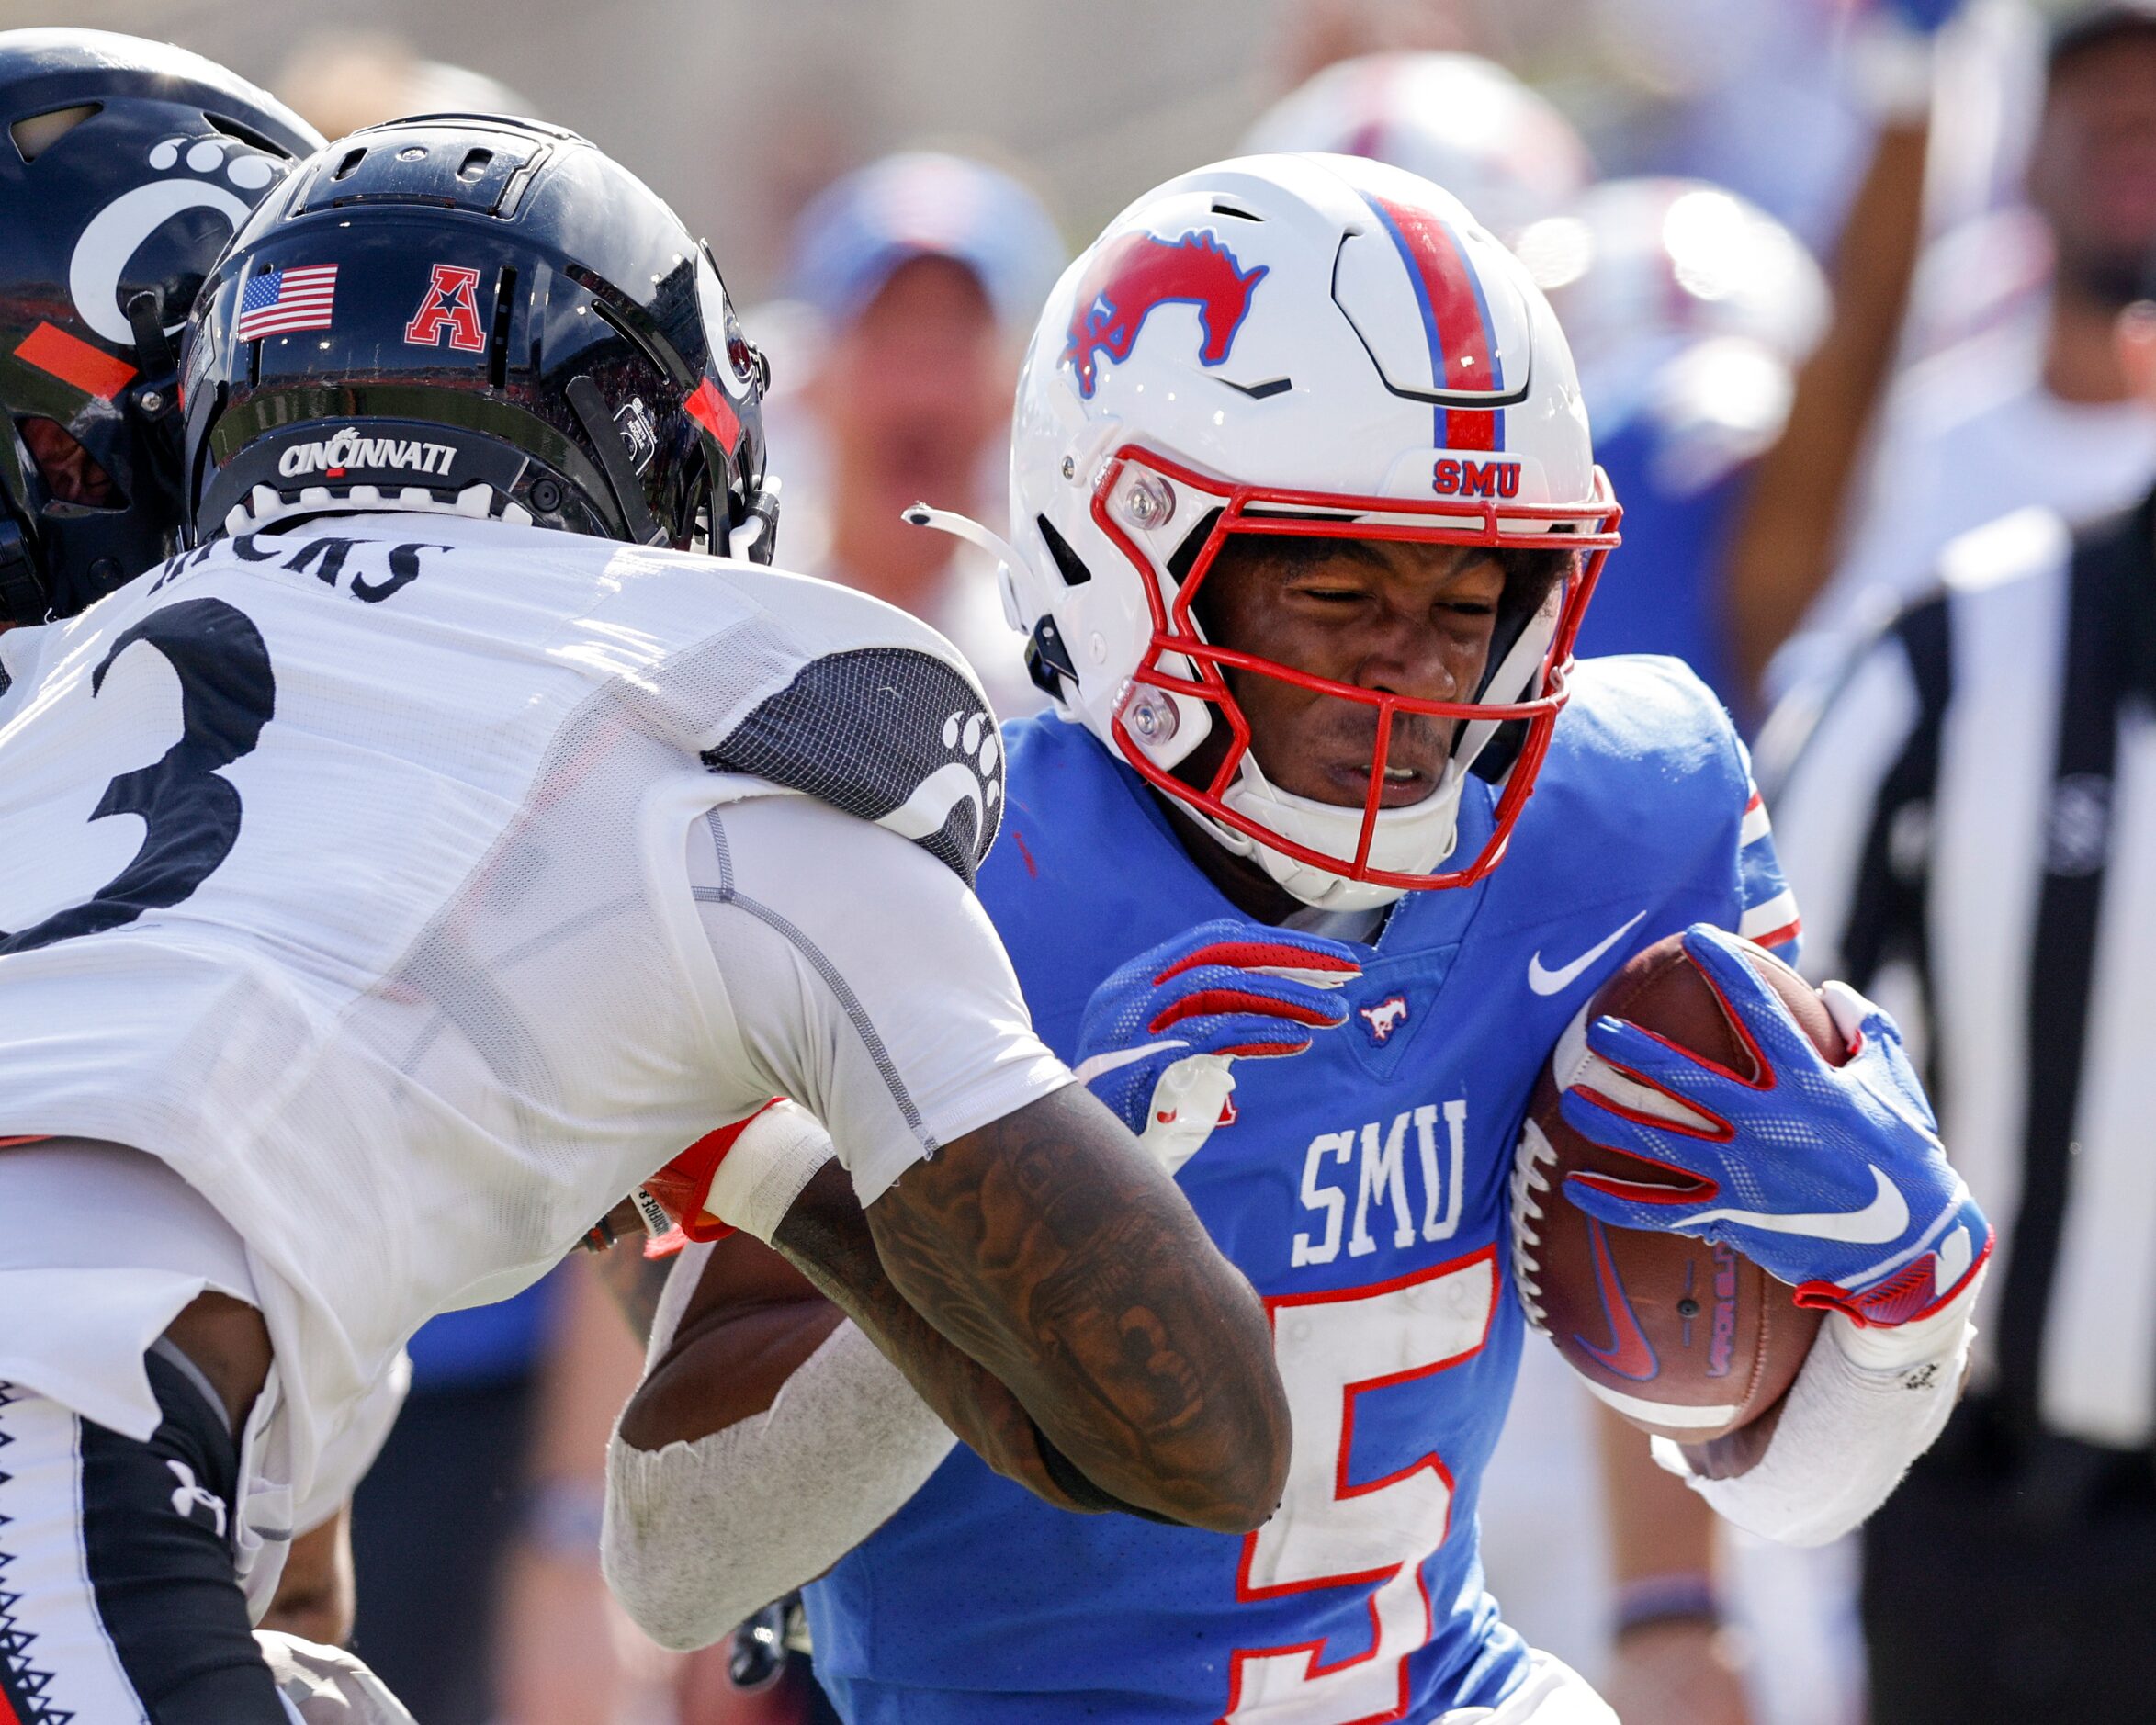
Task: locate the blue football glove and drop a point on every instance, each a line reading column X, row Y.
column 1830, row 1177
column 1159, row 1035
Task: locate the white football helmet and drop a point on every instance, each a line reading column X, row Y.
column 1460, row 121
column 1313, row 345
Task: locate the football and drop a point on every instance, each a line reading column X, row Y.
column 1684, row 1339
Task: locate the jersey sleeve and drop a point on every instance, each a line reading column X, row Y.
column 865, row 982
column 1761, row 905
column 1766, row 907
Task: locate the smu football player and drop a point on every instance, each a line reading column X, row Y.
column 1305, row 517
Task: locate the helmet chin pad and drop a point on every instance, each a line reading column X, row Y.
column 1412, row 840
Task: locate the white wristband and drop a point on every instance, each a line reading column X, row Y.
column 777, row 1153
column 1849, row 1431
column 326, row 1685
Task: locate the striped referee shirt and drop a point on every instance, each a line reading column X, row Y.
column 1969, row 820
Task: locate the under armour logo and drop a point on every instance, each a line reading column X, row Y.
column 190, row 1497
column 1386, row 1016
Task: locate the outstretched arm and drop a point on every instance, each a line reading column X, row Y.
column 1047, row 1290
column 1807, row 488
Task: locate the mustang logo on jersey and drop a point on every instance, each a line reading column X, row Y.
column 1142, row 271
column 1385, row 1018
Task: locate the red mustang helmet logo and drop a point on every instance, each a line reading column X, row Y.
column 1141, row 271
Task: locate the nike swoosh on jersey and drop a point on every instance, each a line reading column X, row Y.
column 1630, row 1354
column 1883, row 1219
column 1544, row 980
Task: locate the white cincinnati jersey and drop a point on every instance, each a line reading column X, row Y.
column 416, row 886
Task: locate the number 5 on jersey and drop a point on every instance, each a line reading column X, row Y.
column 1327, row 1532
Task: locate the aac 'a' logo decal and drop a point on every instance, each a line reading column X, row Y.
column 1141, row 271
column 451, row 305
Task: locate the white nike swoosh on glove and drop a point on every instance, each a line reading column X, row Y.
column 1545, row 981
column 1881, row 1220
column 1087, row 1070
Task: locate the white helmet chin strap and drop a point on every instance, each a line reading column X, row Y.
column 1412, row 840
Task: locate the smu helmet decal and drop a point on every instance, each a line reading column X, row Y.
column 1143, row 271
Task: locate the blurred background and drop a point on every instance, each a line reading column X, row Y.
column 1841, row 276
column 737, row 111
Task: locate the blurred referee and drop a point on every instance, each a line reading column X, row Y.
column 1969, row 819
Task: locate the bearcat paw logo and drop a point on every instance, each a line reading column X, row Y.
column 974, row 779
column 191, row 170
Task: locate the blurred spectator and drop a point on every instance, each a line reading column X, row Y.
column 1970, row 824
column 2001, row 421
column 1688, row 312
column 343, row 80
column 1463, row 122
column 474, row 1536
column 925, row 273
column 1748, row 96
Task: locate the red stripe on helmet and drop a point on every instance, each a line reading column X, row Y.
column 709, row 408
column 1461, row 354
column 73, row 361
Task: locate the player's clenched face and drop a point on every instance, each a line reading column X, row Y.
column 1403, row 617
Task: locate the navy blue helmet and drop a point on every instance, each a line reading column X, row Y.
column 126, row 167
column 478, row 314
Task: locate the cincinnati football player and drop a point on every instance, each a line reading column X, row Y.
column 425, row 857
column 132, row 164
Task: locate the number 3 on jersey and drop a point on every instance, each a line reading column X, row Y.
column 190, row 816
column 1329, row 1533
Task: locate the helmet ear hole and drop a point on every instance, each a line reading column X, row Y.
column 244, row 133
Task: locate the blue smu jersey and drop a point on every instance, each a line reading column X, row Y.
column 1362, row 1187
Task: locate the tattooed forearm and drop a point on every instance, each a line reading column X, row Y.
column 826, row 1238
column 1059, row 1256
